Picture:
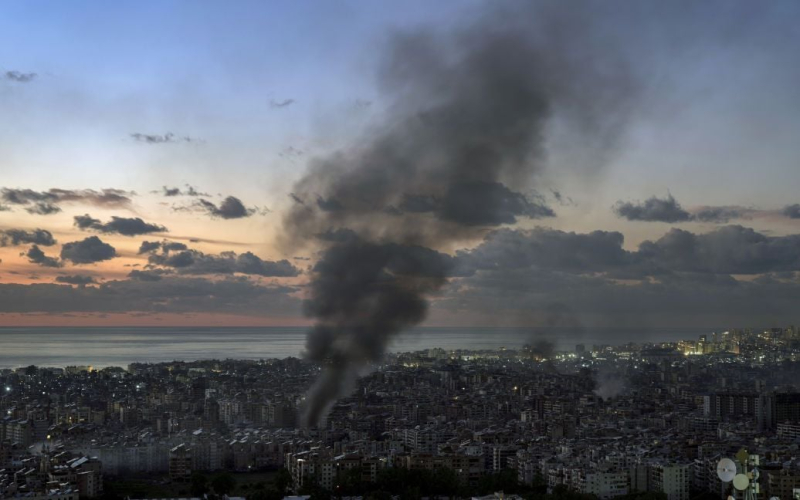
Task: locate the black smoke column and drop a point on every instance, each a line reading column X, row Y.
column 456, row 155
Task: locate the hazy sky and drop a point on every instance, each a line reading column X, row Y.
column 104, row 107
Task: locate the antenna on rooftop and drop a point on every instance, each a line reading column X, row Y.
column 726, row 470
column 741, row 482
column 745, row 481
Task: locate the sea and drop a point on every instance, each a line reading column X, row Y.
column 119, row 346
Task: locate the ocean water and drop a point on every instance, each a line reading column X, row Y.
column 119, row 346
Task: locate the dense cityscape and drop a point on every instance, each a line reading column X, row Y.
column 598, row 422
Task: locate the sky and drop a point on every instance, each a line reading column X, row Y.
column 160, row 160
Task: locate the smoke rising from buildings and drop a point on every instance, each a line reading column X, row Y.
column 609, row 384
column 457, row 155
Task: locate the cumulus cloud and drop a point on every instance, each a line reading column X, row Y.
column 598, row 251
column 48, row 202
column 682, row 277
column 20, row 77
column 35, row 255
column 792, row 211
column 196, row 262
column 728, row 250
column 76, row 279
column 668, row 209
column 653, row 209
column 87, row 251
column 15, row 237
column 166, row 246
column 168, row 295
column 133, row 226
column 230, row 208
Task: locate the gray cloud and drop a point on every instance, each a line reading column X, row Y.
column 230, row 208
column 668, row 209
column 15, row 237
column 43, row 208
column 148, row 275
column 727, row 250
column 176, row 191
column 273, row 103
column 653, row 210
column 595, row 252
column 47, row 202
column 166, row 246
column 196, row 262
column 133, row 226
column 724, row 214
column 168, row 295
column 76, row 279
column 35, row 255
column 168, row 138
column 681, row 278
column 679, row 299
column 87, row 251
column 17, row 76
column 792, row 211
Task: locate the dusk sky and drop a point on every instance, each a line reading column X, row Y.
column 166, row 163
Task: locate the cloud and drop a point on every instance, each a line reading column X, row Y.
column 176, row 191
column 168, row 295
column 230, row 208
column 653, row 210
column 166, row 246
column 87, row 251
column 685, row 278
column 792, row 211
column 15, row 237
column 17, row 76
column 728, row 250
column 668, row 209
column 723, row 215
column 197, row 263
column 47, row 202
column 595, row 252
column 36, row 256
column 43, row 208
column 148, row 275
column 168, row 138
column 281, row 104
column 133, row 226
column 76, row 279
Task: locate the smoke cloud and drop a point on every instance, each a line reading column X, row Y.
column 457, row 156
column 609, row 384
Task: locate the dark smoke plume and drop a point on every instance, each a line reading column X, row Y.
column 457, row 156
